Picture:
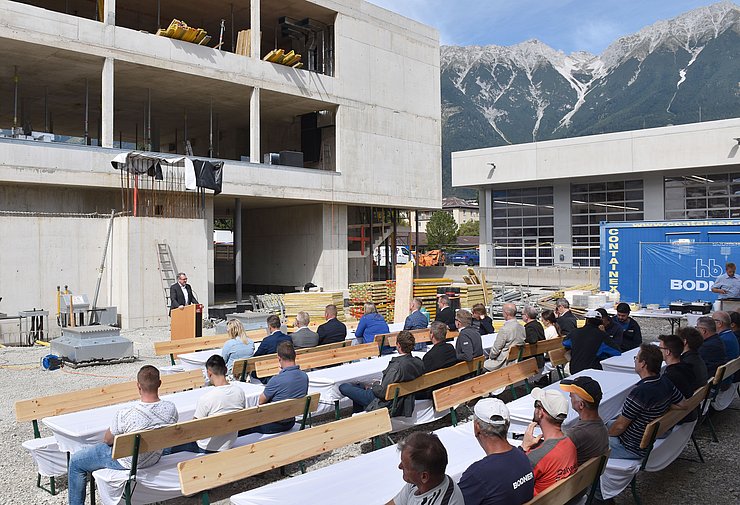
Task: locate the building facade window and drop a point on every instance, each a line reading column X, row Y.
column 593, row 203
column 523, row 229
column 702, row 196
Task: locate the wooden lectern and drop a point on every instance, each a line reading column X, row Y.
column 186, row 323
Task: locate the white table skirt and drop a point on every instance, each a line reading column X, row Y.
column 614, row 387
column 370, row 478
column 624, row 363
column 80, row 429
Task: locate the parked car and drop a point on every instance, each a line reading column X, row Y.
column 403, row 256
column 468, row 257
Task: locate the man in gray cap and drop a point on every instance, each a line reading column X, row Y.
column 588, row 432
column 504, row 476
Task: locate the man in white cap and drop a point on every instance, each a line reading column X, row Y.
column 585, row 344
column 504, row 476
column 553, row 456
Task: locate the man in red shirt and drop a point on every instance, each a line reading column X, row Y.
column 553, row 456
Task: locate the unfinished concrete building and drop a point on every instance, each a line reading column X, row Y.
column 314, row 148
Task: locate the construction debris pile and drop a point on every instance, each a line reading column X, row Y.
column 313, row 303
column 381, row 293
column 181, row 31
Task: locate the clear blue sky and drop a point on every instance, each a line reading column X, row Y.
column 567, row 25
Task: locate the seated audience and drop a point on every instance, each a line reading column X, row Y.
column 333, row 330
column 370, row 324
column 732, row 347
column 504, row 476
column 587, row 343
column 553, row 456
column 611, row 328
column 712, row 350
column 588, row 432
column 651, row 398
column 511, row 334
column 304, row 336
column 220, row 398
column 735, row 324
column 291, row 382
column 445, row 313
column 239, row 347
column 402, row 368
column 679, row 373
column 416, row 320
column 692, row 340
column 441, row 355
column 631, row 332
column 481, row 321
column 566, row 319
column 469, row 344
column 533, row 330
column 423, row 463
column 270, row 343
column 550, row 322
column 150, row 412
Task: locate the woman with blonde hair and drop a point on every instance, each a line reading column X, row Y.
column 238, row 347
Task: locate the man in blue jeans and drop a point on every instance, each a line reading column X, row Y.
column 150, row 412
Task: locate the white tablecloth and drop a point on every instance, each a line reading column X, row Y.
column 370, row 478
column 615, row 387
column 80, row 429
column 624, row 363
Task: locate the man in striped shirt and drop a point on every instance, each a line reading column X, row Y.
column 650, row 399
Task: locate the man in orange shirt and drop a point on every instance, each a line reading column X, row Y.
column 553, row 456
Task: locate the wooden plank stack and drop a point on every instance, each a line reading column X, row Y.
column 279, row 56
column 381, row 293
column 244, row 43
column 470, row 294
column 426, row 289
column 313, row 303
column 181, row 31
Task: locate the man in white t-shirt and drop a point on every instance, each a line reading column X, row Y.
column 423, row 462
column 150, row 412
column 221, row 398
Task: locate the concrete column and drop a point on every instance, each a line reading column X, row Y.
column 109, row 12
column 254, row 126
column 562, row 223
column 332, row 269
column 485, row 208
column 255, row 30
column 654, row 197
column 238, row 248
column 106, row 102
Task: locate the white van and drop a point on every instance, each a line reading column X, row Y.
column 403, row 255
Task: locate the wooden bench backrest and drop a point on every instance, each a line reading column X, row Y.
column 451, row 396
column 389, row 339
column 726, row 370
column 558, row 357
column 220, row 424
column 189, row 345
column 542, row 347
column 434, row 378
column 65, row 403
column 658, row 427
column 322, row 358
column 250, row 362
column 208, row 472
column 572, row 486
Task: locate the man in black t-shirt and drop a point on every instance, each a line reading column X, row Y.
column 681, row 374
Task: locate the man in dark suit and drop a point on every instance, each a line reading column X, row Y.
column 181, row 293
column 332, row 330
column 270, row 343
column 441, row 355
column 446, row 314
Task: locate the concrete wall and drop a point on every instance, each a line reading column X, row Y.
column 41, row 253
column 290, row 246
column 706, row 145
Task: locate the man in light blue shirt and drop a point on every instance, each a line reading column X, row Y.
column 727, row 285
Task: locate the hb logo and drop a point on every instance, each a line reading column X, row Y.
column 709, row 269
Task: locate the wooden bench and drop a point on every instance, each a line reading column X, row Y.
column 133, row 444
column 242, row 367
column 518, row 353
column 65, row 403
column 586, row 477
column 450, row 397
column 398, row 390
column 310, row 360
column 201, row 474
column 655, row 432
column 175, row 347
column 422, row 335
column 558, row 359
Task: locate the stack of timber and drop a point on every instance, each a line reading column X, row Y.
column 471, row 294
column 181, row 31
column 279, row 56
column 313, row 303
column 381, row 293
column 426, row 289
column 244, row 43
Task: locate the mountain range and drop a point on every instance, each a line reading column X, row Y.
column 682, row 70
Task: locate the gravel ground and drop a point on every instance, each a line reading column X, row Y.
column 21, row 378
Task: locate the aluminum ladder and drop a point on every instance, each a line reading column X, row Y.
column 167, row 269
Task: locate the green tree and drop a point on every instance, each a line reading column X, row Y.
column 441, row 230
column 469, row 229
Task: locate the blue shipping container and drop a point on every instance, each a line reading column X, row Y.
column 665, row 261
